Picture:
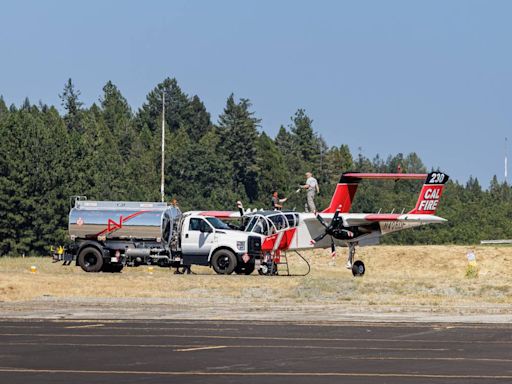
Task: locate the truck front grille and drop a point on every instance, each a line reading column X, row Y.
column 254, row 245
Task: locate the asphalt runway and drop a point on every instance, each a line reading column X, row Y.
column 124, row 351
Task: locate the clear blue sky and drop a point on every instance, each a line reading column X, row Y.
column 433, row 77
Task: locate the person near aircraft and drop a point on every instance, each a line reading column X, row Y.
column 276, row 202
column 312, row 189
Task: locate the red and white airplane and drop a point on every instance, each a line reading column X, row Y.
column 335, row 225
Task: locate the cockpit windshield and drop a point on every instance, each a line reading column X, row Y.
column 217, row 223
column 269, row 223
column 261, row 226
column 279, row 221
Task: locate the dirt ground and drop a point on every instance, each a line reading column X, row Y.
column 417, row 283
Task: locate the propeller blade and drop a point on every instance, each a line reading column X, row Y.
column 322, row 221
column 318, row 238
column 337, row 213
column 333, row 248
column 335, row 220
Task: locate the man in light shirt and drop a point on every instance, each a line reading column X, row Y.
column 312, row 189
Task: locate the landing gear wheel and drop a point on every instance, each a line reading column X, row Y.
column 224, row 262
column 90, row 259
column 268, row 269
column 246, row 268
column 358, row 268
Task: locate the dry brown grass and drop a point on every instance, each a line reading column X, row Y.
column 432, row 276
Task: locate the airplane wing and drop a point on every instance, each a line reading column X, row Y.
column 361, row 219
column 356, row 219
column 358, row 176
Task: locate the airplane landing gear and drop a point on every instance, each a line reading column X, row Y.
column 357, row 267
column 268, row 268
column 351, row 254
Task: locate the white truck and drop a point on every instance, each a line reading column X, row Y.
column 108, row 235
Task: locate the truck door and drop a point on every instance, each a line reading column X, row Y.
column 197, row 238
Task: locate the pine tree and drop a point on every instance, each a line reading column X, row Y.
column 73, row 106
column 238, row 132
column 33, row 196
column 143, row 167
column 197, row 172
column 117, row 116
column 272, row 170
column 177, row 107
column 3, row 107
column 305, row 139
column 102, row 162
column 7, row 187
column 199, row 121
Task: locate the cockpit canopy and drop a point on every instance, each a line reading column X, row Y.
column 269, row 222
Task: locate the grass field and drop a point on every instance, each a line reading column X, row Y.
column 399, row 276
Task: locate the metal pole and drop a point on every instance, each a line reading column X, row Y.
column 506, row 161
column 163, row 148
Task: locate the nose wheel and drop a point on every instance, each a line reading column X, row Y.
column 358, row 268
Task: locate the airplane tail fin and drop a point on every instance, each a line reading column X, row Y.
column 430, row 194
column 343, row 195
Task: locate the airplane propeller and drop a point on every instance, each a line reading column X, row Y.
column 334, row 229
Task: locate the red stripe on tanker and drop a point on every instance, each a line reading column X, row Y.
column 112, row 225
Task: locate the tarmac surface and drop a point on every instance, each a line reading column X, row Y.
column 155, row 351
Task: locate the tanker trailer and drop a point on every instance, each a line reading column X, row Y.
column 107, row 235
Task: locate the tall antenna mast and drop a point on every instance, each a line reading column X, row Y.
column 163, row 147
column 506, row 161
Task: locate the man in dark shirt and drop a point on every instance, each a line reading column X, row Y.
column 276, row 201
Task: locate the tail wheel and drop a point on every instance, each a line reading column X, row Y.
column 224, row 262
column 358, row 268
column 90, row 259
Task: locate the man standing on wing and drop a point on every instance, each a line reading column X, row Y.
column 312, row 189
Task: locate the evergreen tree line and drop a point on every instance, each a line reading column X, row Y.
column 109, row 152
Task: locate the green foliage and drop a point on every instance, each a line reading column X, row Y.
column 72, row 105
column 239, row 135
column 108, row 153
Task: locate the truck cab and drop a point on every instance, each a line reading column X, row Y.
column 207, row 240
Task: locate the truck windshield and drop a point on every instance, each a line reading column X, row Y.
column 217, row 224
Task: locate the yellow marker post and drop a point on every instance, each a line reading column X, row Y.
column 472, row 268
column 33, row 269
column 150, row 270
column 471, row 258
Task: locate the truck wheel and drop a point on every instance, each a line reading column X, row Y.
column 224, row 262
column 245, row 269
column 90, row 259
column 113, row 268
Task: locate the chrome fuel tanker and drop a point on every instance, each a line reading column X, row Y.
column 107, row 235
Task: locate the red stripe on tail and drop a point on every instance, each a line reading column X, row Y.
column 343, row 196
